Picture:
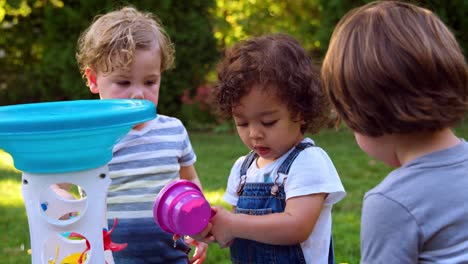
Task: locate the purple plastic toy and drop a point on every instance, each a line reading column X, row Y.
column 181, row 208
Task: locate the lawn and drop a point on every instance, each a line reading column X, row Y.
column 216, row 154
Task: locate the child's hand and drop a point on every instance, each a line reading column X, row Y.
column 221, row 228
column 200, row 250
column 204, row 236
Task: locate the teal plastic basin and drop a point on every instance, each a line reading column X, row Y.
column 65, row 136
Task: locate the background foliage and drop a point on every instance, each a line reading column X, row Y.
column 40, row 65
column 38, row 42
column 237, row 20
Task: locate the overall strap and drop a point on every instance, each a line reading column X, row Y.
column 286, row 165
column 247, row 162
column 243, row 171
column 284, row 168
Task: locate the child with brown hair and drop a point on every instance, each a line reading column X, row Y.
column 283, row 191
column 397, row 77
column 122, row 55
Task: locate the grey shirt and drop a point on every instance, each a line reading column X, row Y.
column 419, row 212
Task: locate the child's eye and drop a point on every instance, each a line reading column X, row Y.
column 123, row 83
column 269, row 123
column 150, row 83
column 240, row 124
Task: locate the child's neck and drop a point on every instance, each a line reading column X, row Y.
column 411, row 146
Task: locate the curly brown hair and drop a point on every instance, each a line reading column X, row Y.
column 111, row 40
column 274, row 61
column 393, row 67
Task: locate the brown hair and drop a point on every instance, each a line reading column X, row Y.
column 393, row 67
column 275, row 61
column 112, row 39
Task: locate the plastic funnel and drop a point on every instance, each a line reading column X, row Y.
column 181, row 208
column 65, row 136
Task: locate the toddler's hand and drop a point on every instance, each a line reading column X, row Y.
column 221, row 228
column 200, row 250
column 205, row 235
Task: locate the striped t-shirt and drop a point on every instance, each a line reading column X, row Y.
column 143, row 162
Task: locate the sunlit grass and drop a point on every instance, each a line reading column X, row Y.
column 6, row 161
column 10, row 190
column 14, row 238
column 216, row 197
column 9, row 187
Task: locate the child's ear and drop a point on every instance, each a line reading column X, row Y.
column 91, row 80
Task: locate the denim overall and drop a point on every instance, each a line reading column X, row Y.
column 262, row 199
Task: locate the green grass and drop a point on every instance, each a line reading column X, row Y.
column 216, row 154
column 14, row 233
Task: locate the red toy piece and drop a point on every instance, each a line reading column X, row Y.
column 108, row 244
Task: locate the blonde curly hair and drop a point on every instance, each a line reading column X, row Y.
column 112, row 39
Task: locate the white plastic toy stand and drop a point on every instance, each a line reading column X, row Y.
column 68, row 142
column 47, row 240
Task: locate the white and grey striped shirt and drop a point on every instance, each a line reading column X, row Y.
column 143, row 162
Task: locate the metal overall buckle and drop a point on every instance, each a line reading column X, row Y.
column 275, row 188
column 240, row 187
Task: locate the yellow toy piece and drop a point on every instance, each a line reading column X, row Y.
column 70, row 259
column 53, row 261
column 74, row 258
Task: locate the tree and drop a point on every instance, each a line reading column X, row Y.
column 39, row 49
column 237, row 20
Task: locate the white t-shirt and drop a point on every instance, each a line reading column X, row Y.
column 311, row 172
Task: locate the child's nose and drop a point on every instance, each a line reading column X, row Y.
column 137, row 94
column 255, row 131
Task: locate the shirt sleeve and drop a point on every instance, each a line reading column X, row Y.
column 313, row 172
column 230, row 196
column 389, row 233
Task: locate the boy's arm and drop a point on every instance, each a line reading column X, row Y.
column 389, row 233
column 189, row 173
column 292, row 226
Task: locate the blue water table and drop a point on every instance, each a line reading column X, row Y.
column 67, row 142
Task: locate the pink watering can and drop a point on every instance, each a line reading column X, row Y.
column 181, row 208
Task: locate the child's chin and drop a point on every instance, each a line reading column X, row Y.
column 139, row 126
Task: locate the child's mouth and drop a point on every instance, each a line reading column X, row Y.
column 262, row 151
